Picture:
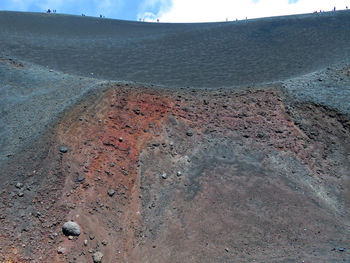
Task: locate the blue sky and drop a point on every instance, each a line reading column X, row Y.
column 121, row 9
column 176, row 10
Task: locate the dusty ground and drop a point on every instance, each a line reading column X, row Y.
column 255, row 173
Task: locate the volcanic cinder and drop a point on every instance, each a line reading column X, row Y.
column 217, row 142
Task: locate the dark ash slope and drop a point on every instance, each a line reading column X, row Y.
column 200, row 55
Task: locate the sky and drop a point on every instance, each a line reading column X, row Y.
column 176, row 10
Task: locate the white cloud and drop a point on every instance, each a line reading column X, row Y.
column 220, row 10
column 150, row 10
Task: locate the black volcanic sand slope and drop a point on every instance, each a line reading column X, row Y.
column 208, row 54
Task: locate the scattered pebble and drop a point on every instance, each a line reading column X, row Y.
column 260, row 135
column 111, row 192
column 60, row 250
column 104, row 242
column 189, row 133
column 64, row 149
column 164, row 176
column 19, row 185
column 120, row 139
column 71, row 228
column 80, row 178
column 20, row 194
column 178, row 173
column 85, row 242
column 341, row 249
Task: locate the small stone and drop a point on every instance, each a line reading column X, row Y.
column 137, row 111
column 111, row 192
column 104, row 242
column 178, row 173
column 85, row 242
column 60, row 250
column 189, row 133
column 80, row 178
column 20, row 194
column 97, row 257
column 260, row 135
column 120, row 139
column 227, row 250
column 19, row 185
column 164, row 176
column 92, row 237
column 341, row 249
column 71, row 228
column 64, row 149
column 70, row 237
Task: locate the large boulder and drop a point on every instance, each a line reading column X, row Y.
column 97, row 257
column 71, row 228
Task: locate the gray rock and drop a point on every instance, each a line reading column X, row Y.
column 80, row 178
column 85, row 242
column 60, row 250
column 64, row 149
column 97, row 257
column 178, row 173
column 164, row 176
column 19, row 185
column 111, row 192
column 71, row 228
column 20, row 194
